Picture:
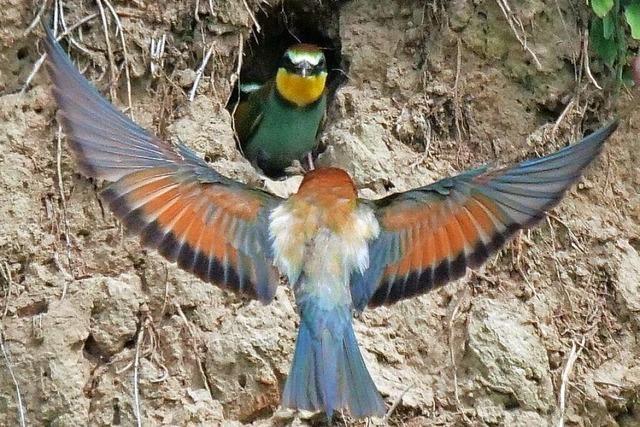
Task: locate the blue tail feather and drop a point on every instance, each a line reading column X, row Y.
column 328, row 372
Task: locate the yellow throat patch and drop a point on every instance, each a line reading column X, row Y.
column 299, row 90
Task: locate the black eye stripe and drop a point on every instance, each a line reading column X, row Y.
column 292, row 67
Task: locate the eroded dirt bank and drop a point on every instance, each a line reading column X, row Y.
column 433, row 88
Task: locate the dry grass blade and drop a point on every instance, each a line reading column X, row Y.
column 452, row 358
column 5, row 271
column 63, row 201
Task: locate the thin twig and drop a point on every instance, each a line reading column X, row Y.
column 193, row 338
column 252, row 16
column 572, row 236
column 7, row 360
column 136, row 364
column 397, row 402
column 112, row 65
column 125, row 56
column 199, row 73
column 556, row 263
column 512, row 20
column 571, row 360
column 563, row 115
column 36, row 19
column 42, row 58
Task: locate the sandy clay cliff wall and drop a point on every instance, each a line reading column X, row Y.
column 433, row 87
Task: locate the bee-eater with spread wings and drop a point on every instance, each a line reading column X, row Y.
column 339, row 253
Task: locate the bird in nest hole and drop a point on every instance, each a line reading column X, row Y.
column 278, row 122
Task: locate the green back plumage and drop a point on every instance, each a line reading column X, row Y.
column 273, row 132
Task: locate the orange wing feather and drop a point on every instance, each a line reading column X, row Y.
column 210, row 225
column 430, row 235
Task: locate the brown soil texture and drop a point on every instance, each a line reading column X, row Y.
column 434, row 87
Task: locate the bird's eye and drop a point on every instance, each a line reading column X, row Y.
column 287, row 63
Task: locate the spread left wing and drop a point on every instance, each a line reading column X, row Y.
column 431, row 235
column 210, row 225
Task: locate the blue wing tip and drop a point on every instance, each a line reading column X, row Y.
column 602, row 134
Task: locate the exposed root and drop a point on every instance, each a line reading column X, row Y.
column 136, row 364
column 252, row 16
column 196, row 11
column 456, row 96
column 571, row 360
column 148, row 346
column 59, row 9
column 563, row 116
column 572, row 236
column 236, row 78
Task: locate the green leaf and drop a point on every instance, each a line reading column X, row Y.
column 632, row 13
column 607, row 50
column 601, row 7
column 607, row 26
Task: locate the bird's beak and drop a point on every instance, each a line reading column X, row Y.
column 305, row 69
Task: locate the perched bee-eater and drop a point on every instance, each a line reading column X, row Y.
column 279, row 122
column 339, row 253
